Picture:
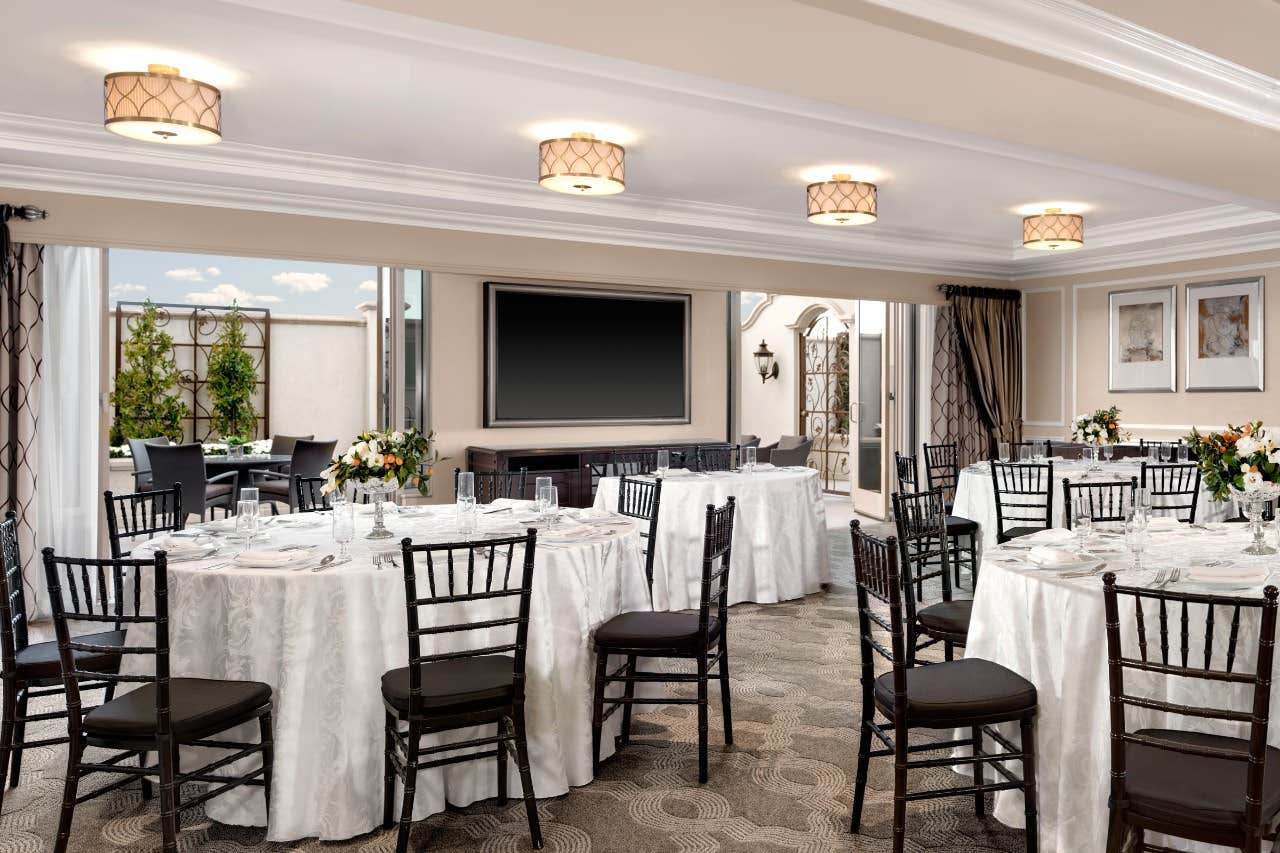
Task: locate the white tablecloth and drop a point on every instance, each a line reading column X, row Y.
column 323, row 640
column 975, row 496
column 1051, row 631
column 779, row 535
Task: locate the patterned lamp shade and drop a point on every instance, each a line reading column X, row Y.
column 842, row 201
column 1053, row 230
column 582, row 165
column 157, row 105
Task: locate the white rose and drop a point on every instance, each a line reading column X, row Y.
column 397, row 436
column 1247, row 445
column 1252, row 481
column 1274, row 456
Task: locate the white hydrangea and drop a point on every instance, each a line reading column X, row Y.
column 1247, row 445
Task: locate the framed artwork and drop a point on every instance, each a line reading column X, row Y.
column 1142, row 347
column 1224, row 335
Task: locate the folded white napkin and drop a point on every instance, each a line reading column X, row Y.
column 676, row 472
column 179, row 546
column 1054, row 535
column 1227, row 572
column 1050, row 556
column 1165, row 522
column 594, row 512
column 765, row 466
column 267, row 559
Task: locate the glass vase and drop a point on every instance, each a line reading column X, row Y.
column 377, row 492
column 1253, row 506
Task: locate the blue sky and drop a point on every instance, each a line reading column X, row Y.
column 286, row 287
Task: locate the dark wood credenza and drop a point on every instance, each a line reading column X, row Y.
column 565, row 465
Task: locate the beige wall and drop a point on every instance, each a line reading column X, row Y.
column 1066, row 350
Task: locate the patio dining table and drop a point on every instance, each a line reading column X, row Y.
column 222, row 463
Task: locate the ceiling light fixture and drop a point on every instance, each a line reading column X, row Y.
column 158, row 105
column 842, row 201
column 581, row 164
column 1053, row 230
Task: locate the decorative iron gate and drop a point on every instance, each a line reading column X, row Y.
column 195, row 329
column 824, row 399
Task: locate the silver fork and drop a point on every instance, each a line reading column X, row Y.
column 1173, row 578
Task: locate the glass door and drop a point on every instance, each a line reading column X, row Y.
column 824, row 399
column 869, row 412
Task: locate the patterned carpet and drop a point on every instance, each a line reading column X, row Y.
column 786, row 785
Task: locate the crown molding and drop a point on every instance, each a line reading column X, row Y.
column 1083, row 35
column 1083, row 263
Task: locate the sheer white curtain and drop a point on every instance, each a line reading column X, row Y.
column 67, row 442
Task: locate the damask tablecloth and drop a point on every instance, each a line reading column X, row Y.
column 322, row 640
column 1051, row 630
column 779, row 534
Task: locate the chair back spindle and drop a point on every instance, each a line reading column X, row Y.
column 1107, row 501
column 142, row 514
column 942, row 469
column 1176, row 485
column 1023, row 494
column 641, row 499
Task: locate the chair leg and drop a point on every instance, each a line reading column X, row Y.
column 268, row 757
column 628, row 692
column 147, row 792
column 1115, row 831
column 860, row 779
column 8, row 711
column 597, row 709
column 1029, row 784
column 410, row 786
column 900, row 756
column 526, row 778
column 702, row 719
column 168, row 796
column 725, row 704
column 979, row 799
column 388, row 773
column 502, row 767
column 949, row 651
column 19, row 737
column 69, row 787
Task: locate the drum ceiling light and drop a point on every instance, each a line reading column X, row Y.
column 581, row 164
column 842, row 201
column 159, row 105
column 1053, row 230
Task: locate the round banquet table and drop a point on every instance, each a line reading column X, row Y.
column 779, row 534
column 1051, row 630
column 322, row 641
column 221, row 464
column 975, row 495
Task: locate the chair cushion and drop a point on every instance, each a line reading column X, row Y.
column 454, row 686
column 198, row 706
column 1015, row 532
column 958, row 526
column 948, row 617
column 40, row 660
column 216, row 490
column 643, row 630
column 952, row 693
column 1193, row 790
column 275, row 488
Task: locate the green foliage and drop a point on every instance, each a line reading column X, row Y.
column 405, row 457
column 144, row 399
column 231, row 381
column 1238, row 459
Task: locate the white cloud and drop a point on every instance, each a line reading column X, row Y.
column 368, row 284
column 302, row 282
column 125, row 289
column 213, row 272
column 185, row 274
column 225, row 294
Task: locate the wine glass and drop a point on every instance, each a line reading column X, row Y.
column 1024, row 453
column 1136, row 536
column 542, row 497
column 664, row 463
column 247, row 520
column 344, row 526
column 1082, row 521
column 553, row 506
column 468, row 519
column 748, row 459
column 1108, row 451
column 1004, row 451
column 1184, row 453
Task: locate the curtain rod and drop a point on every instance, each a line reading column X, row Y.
column 980, row 292
column 25, row 212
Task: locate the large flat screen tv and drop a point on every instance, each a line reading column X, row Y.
column 566, row 356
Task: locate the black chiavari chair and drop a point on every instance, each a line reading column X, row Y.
column 904, row 466
column 631, row 463
column 1107, row 501
column 163, row 714
column 441, row 691
column 308, row 494
column 701, row 637
column 30, row 670
column 942, row 471
column 593, row 472
column 492, row 485
column 925, row 556
column 1177, row 487
column 142, row 514
column 1023, row 493
column 641, row 499
column 715, row 457
column 1190, row 784
column 970, row 693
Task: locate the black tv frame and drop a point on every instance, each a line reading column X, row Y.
column 491, row 291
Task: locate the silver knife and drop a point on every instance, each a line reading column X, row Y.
column 327, row 566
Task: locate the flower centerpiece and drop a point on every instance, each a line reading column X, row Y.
column 381, row 463
column 1242, row 462
column 1101, row 427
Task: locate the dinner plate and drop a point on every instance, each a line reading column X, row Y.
column 1078, row 563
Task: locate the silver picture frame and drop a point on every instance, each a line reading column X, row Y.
column 1135, row 333
column 1230, row 354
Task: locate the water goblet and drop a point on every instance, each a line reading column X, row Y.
column 1136, row 537
column 1184, row 453
column 468, row 519
column 344, row 526
column 664, row 463
column 748, row 459
column 247, row 520
column 466, row 485
column 1004, row 451
column 553, row 506
column 1108, row 451
column 1024, row 453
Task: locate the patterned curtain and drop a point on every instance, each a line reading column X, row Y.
column 989, row 322
column 954, row 417
column 21, row 333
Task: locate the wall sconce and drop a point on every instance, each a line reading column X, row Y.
column 766, row 366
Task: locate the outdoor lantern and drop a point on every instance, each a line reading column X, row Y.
column 766, row 366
